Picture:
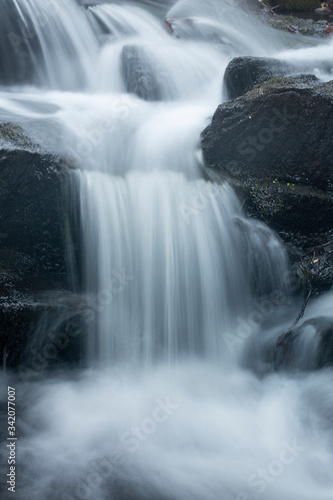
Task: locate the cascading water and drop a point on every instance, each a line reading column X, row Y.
column 172, row 262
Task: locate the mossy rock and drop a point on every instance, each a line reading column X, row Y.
column 295, row 5
column 12, row 135
column 273, row 144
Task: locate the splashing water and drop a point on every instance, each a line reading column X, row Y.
column 181, row 275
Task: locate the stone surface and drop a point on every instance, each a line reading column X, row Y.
column 34, row 226
column 243, row 73
column 138, row 73
column 274, row 145
column 295, row 5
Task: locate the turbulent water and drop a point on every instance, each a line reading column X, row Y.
column 178, row 400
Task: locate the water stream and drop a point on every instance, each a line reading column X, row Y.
column 176, row 401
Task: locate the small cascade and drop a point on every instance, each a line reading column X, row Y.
column 49, row 44
column 162, row 295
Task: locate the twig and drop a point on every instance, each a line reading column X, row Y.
column 320, row 246
column 300, row 315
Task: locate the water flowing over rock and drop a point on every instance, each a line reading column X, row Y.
column 289, row 187
column 138, row 74
column 243, row 73
column 33, row 44
column 306, row 347
column 143, row 313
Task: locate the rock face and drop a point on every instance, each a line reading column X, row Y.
column 274, row 144
column 33, row 226
column 31, row 211
column 243, row 73
column 278, row 135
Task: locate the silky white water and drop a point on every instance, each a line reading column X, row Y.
column 190, row 292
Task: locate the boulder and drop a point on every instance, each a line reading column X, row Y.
column 295, row 5
column 32, row 217
column 243, row 73
column 307, row 347
column 274, row 145
column 34, row 226
column 138, row 73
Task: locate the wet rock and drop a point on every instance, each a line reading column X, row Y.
column 243, row 73
column 34, row 228
column 139, row 73
column 274, row 145
column 292, row 24
column 295, row 5
column 307, row 347
column 280, row 131
column 44, row 336
column 32, row 216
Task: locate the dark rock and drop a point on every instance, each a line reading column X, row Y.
column 139, row 73
column 18, row 43
column 243, row 73
column 295, row 5
column 34, row 226
column 308, row 27
column 274, row 145
column 32, row 215
column 44, row 335
column 280, row 131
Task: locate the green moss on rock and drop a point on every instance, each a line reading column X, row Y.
column 15, row 135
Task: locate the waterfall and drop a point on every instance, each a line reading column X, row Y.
column 146, row 238
column 145, row 210
column 188, row 294
column 48, row 43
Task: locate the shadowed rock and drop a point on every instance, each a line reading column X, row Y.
column 243, row 73
column 33, row 232
column 274, row 144
column 295, row 5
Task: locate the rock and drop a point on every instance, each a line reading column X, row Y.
column 308, row 346
column 243, row 73
column 295, row 5
column 293, row 23
column 278, row 133
column 138, row 73
column 32, row 217
column 18, row 43
column 274, row 145
column 34, row 226
column 43, row 334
